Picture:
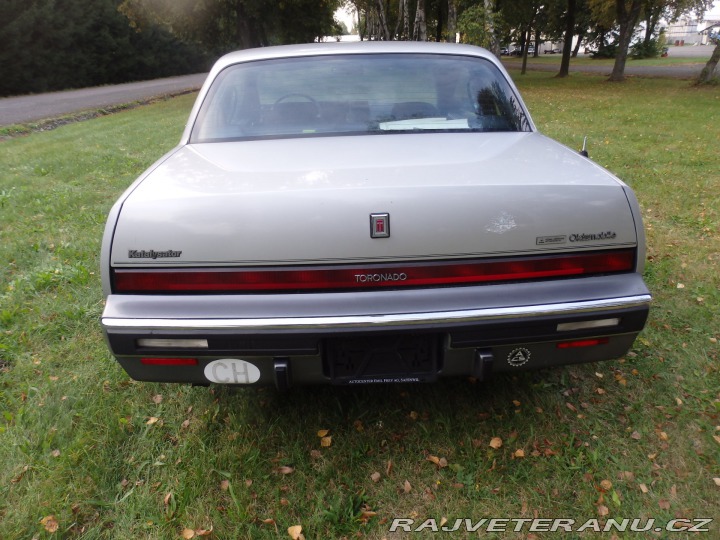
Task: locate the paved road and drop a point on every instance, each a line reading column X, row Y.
column 18, row 110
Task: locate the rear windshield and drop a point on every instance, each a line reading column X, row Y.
column 357, row 94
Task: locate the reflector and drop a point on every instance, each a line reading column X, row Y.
column 169, row 361
column 582, row 343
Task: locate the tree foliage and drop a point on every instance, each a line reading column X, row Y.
column 220, row 26
column 58, row 44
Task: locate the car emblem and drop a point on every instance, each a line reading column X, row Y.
column 380, row 225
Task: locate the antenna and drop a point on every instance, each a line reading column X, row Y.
column 584, row 151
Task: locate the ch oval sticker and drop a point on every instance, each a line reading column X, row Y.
column 232, row 371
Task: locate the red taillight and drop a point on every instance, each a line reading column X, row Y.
column 169, row 361
column 221, row 280
column 582, row 343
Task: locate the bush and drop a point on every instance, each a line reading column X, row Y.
column 651, row 49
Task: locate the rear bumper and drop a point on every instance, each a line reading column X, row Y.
column 286, row 337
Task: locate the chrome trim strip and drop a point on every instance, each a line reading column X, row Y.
column 379, row 321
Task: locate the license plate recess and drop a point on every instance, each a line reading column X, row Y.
column 383, row 359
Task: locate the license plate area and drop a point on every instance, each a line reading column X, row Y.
column 383, row 359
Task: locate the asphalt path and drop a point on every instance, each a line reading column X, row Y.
column 36, row 107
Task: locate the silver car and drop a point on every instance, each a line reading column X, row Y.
column 355, row 213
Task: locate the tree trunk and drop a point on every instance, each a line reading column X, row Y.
column 494, row 47
column 567, row 46
column 710, row 70
column 246, row 29
column 525, row 41
column 452, row 21
column 420, row 26
column 440, row 24
column 384, row 30
column 580, row 37
column 627, row 18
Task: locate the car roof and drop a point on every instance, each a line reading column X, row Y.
column 357, row 47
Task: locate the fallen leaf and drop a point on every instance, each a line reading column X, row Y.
column 443, row 521
column 185, row 424
column 717, row 481
column 20, row 476
column 187, row 534
column 516, row 403
column 628, row 476
column 204, row 532
column 606, row 485
column 407, row 487
column 295, row 532
column 643, row 488
column 388, row 468
column 603, row 510
column 167, row 499
column 414, row 415
column 600, row 391
column 717, row 438
column 663, row 436
column 496, row 442
column 225, row 485
column 323, row 433
column 157, row 399
column 326, row 442
column 50, row 524
column 635, row 435
column 571, row 407
column 268, row 521
column 285, row 470
column 375, row 477
column 519, row 453
column 664, row 504
column 55, row 453
column 152, row 420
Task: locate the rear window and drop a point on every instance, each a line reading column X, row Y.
column 357, row 94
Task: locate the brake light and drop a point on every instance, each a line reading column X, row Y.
column 228, row 280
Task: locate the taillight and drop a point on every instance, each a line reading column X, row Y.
column 228, row 280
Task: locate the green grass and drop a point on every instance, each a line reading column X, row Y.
column 111, row 458
column 584, row 60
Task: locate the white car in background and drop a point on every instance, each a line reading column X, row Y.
column 354, row 213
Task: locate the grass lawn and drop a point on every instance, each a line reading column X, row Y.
column 586, row 60
column 88, row 453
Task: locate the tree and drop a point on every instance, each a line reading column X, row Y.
column 709, row 72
